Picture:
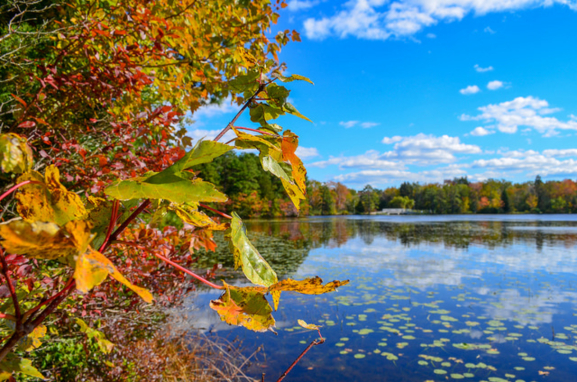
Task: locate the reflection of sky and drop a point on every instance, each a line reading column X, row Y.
column 516, row 282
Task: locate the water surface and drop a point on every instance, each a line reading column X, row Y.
column 431, row 298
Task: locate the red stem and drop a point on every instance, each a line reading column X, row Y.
column 179, row 267
column 113, row 218
column 68, row 285
column 318, row 341
column 215, row 211
column 10, row 288
column 7, row 317
column 128, row 220
column 256, row 131
column 14, row 188
column 227, row 128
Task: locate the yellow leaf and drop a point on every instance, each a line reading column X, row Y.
column 289, row 146
column 15, row 154
column 191, row 215
column 244, row 307
column 308, row 326
column 32, row 341
column 44, row 240
column 49, row 201
column 294, row 192
column 307, row 286
column 92, row 268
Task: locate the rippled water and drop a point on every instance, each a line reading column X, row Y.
column 479, row 298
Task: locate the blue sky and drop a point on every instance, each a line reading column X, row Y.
column 427, row 90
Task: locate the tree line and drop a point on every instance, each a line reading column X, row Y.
column 256, row 193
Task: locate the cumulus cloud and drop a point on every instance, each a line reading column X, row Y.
column 370, row 159
column 427, row 149
column 364, row 125
column 481, row 131
column 307, row 152
column 522, row 111
column 471, row 89
column 483, row 70
column 494, row 85
column 385, row 176
column 383, row 19
column 213, row 110
column 299, row 5
column 198, row 134
column 531, row 163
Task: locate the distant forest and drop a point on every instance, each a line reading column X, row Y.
column 255, row 193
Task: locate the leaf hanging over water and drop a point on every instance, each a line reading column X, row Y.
column 312, row 285
column 307, row 326
column 244, row 307
column 256, row 269
column 191, row 215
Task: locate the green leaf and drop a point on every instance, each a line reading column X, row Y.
column 13, row 363
column 272, row 166
column 295, row 77
column 244, row 307
column 244, row 82
column 15, row 154
column 175, row 188
column 256, row 269
column 202, row 152
column 191, row 215
column 289, row 108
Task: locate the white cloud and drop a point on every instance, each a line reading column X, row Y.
column 489, row 30
column 198, row 134
column 370, row 159
column 431, row 35
column 298, row 5
column 494, row 85
column 213, row 110
column 483, row 70
column 529, row 162
column 364, row 125
column 560, row 153
column 383, row 19
column 427, row 149
column 522, row 111
column 376, row 177
column 471, row 89
column 307, row 152
column 481, row 131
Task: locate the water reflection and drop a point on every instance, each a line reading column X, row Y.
column 498, row 294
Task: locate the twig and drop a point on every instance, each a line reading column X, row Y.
column 177, row 266
column 227, row 128
column 113, row 218
column 128, row 220
column 215, row 211
column 315, row 342
column 11, row 289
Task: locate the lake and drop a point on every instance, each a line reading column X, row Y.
column 431, row 298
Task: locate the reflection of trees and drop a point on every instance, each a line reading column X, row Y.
column 286, row 243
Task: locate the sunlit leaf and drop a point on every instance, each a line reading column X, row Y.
column 244, row 307
column 15, row 154
column 289, row 146
column 49, row 201
column 256, row 269
column 171, row 187
column 294, row 77
column 202, row 152
column 308, row 326
column 32, row 340
column 289, row 108
column 307, row 286
column 45, row 240
column 92, row 268
column 191, row 215
column 294, row 192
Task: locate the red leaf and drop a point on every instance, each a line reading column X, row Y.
column 19, row 100
column 27, row 124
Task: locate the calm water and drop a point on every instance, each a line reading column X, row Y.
column 479, row 298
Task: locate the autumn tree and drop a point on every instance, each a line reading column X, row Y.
column 94, row 154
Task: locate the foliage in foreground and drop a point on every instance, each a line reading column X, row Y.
column 99, row 178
